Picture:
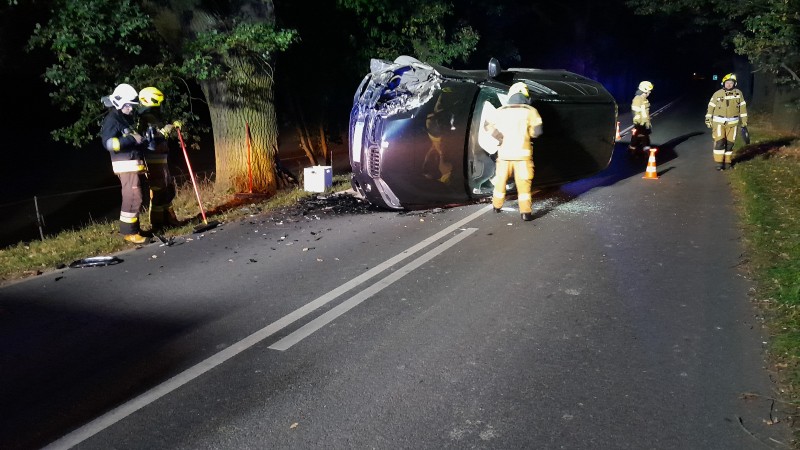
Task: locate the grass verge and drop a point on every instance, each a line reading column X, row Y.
column 766, row 183
column 57, row 251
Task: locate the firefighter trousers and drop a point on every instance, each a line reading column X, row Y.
column 162, row 192
column 523, row 176
column 724, row 138
column 131, row 202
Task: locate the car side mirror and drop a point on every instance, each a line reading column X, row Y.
column 494, row 68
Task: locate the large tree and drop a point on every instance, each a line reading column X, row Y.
column 225, row 46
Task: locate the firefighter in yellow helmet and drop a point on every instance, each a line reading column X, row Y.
column 727, row 110
column 640, row 108
column 514, row 125
column 156, row 132
column 124, row 144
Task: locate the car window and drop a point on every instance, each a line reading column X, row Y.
column 569, row 88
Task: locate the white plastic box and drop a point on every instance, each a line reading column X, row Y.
column 317, row 178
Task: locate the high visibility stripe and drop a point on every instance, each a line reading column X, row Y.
column 712, row 104
column 128, row 217
column 524, row 197
column 131, row 165
column 719, row 152
column 721, row 119
column 113, row 144
column 498, row 195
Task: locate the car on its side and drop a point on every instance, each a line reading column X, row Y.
column 417, row 138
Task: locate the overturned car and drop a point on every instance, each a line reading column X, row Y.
column 417, row 140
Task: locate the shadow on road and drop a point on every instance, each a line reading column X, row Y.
column 622, row 167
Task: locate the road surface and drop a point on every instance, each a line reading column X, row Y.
column 618, row 318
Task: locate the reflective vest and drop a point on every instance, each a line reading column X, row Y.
column 727, row 108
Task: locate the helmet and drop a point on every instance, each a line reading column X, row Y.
column 151, row 97
column 730, row 76
column 518, row 88
column 645, row 86
column 124, row 94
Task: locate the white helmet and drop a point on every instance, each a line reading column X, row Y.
column 123, row 95
column 645, row 86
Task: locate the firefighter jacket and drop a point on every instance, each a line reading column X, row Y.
column 116, row 134
column 151, row 126
column 727, row 108
column 641, row 110
column 517, row 124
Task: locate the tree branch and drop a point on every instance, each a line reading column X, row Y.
column 794, row 75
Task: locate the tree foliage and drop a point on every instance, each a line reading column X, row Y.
column 767, row 32
column 100, row 43
column 96, row 44
column 420, row 28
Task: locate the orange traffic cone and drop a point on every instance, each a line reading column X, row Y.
column 618, row 135
column 651, row 173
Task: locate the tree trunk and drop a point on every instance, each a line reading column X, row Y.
column 251, row 101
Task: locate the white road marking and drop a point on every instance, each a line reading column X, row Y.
column 115, row 415
column 309, row 328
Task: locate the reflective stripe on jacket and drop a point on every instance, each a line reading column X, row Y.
column 116, row 134
column 727, row 107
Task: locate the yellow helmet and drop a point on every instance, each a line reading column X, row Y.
column 519, row 88
column 645, row 86
column 151, row 97
column 730, row 76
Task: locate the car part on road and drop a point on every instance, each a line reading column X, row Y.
column 206, row 225
column 95, row 261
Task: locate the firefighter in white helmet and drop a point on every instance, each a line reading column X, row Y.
column 514, row 125
column 727, row 110
column 640, row 107
column 161, row 183
column 119, row 137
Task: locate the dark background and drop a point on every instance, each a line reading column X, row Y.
column 605, row 41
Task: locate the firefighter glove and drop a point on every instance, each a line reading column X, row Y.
column 708, row 123
column 167, row 129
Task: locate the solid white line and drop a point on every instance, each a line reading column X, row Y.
column 309, row 328
column 115, row 415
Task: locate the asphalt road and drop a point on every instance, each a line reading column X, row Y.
column 618, row 318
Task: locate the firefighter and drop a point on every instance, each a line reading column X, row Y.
column 120, row 138
column 514, row 125
column 726, row 111
column 640, row 107
column 162, row 185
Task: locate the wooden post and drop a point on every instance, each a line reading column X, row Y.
column 39, row 218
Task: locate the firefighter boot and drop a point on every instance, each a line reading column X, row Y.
column 527, row 217
column 135, row 238
column 172, row 218
column 721, row 166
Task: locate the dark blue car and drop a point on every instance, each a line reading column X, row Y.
column 416, row 135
